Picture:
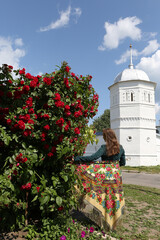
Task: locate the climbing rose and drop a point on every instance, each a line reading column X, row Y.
column 46, row 127
column 67, row 69
column 77, row 131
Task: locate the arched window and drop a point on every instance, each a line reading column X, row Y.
column 149, row 98
column 132, row 97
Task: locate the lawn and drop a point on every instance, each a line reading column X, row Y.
column 151, row 169
column 141, row 220
column 142, row 214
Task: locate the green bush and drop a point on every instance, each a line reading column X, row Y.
column 43, row 124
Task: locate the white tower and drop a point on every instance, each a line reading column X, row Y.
column 132, row 115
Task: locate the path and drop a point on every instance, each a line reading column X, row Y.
column 142, row 179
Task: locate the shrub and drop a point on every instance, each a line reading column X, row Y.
column 43, row 124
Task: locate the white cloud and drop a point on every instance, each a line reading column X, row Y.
column 126, row 56
column 118, row 31
column 9, row 52
column 151, row 65
column 151, row 48
column 77, row 13
column 64, row 19
column 19, row 42
column 157, row 108
column 61, row 22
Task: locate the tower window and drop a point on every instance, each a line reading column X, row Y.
column 131, row 96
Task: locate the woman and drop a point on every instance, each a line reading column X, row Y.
column 102, row 181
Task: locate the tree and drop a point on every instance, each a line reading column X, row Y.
column 102, row 122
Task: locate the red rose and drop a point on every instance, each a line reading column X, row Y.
column 28, row 186
column 27, row 133
column 73, row 74
column 33, row 84
column 67, row 107
column 59, row 104
column 67, row 69
column 29, row 76
column 50, row 154
column 77, row 114
column 60, row 122
column 31, row 111
column 10, row 67
column 21, row 72
column 9, row 121
column 26, row 89
column 46, row 127
column 46, row 116
column 60, row 208
column 21, row 82
column 57, row 97
column 10, row 81
column 67, row 113
column 21, row 124
column 77, row 131
column 66, row 128
column 38, row 188
column 47, row 80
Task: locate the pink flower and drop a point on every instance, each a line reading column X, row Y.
column 108, row 168
column 83, row 234
column 63, row 238
column 91, row 229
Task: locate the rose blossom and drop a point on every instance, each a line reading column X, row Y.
column 67, row 68
column 57, row 97
column 46, row 127
column 77, row 131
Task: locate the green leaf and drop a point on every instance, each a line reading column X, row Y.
column 45, row 200
column 73, row 168
column 59, row 201
column 35, row 198
column 65, row 177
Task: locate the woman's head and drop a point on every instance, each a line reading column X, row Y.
column 111, row 141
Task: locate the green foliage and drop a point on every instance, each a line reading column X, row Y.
column 102, row 122
column 62, row 227
column 43, row 124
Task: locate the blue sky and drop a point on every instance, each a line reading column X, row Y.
column 93, row 36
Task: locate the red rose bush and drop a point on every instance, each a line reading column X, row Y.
column 43, row 124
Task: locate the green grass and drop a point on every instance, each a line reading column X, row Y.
column 151, row 169
column 141, row 220
column 142, row 214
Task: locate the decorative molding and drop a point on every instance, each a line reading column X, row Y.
column 134, row 119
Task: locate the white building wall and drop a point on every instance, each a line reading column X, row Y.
column 133, row 120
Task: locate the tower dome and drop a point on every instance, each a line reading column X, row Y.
column 130, row 73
